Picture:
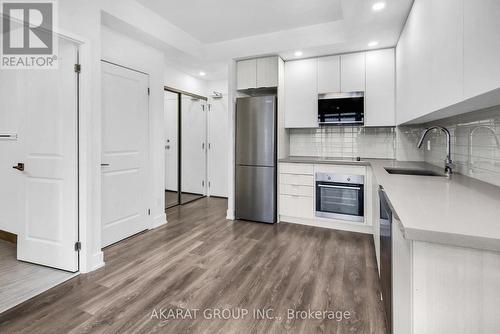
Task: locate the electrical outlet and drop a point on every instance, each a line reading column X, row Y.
column 428, row 145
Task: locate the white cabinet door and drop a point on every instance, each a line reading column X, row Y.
column 329, row 74
column 297, row 206
column 481, row 46
column 446, row 49
column 246, row 74
column 301, row 94
column 267, row 72
column 413, row 64
column 352, row 77
column 218, row 147
column 124, row 149
column 380, row 90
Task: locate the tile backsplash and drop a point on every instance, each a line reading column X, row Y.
column 476, row 155
column 475, row 144
column 343, row 141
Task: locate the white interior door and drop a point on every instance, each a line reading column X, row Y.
column 194, row 136
column 218, row 147
column 41, row 202
column 124, row 152
column 172, row 141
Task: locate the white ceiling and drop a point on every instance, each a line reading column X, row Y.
column 203, row 35
column 222, row 20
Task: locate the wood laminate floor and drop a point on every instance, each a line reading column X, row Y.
column 20, row 281
column 200, row 260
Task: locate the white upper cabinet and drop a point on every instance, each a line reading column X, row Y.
column 267, row 72
column 329, row 74
column 352, row 72
column 247, row 74
column 257, row 73
column 446, row 38
column 380, row 88
column 448, row 52
column 301, row 93
column 481, row 46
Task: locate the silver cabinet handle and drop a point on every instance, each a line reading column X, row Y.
column 339, row 187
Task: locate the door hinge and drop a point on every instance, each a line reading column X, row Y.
column 149, row 91
column 78, row 68
column 78, row 246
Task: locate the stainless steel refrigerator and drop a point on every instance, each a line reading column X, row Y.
column 256, row 159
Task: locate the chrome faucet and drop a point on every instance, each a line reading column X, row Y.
column 448, row 163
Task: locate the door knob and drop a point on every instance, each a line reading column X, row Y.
column 19, row 167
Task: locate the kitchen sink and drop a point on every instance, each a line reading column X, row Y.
column 418, row 172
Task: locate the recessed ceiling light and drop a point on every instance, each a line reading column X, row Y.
column 298, row 53
column 378, row 6
column 372, row 44
column 202, row 74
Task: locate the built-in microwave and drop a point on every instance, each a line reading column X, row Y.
column 341, row 108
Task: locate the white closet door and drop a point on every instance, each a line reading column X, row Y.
column 124, row 152
column 171, row 141
column 218, row 147
column 46, row 101
column 193, row 155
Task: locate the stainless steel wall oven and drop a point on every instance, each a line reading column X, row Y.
column 340, row 196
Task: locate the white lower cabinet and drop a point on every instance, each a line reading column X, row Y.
column 443, row 289
column 296, row 206
column 297, row 190
column 296, row 187
column 297, row 199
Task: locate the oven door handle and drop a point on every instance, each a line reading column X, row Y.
column 338, row 187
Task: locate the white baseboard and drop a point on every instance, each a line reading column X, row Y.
column 96, row 262
column 331, row 224
column 159, row 220
column 230, row 215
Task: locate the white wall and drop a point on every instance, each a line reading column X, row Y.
column 177, row 79
column 122, row 50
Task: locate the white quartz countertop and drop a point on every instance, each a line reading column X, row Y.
column 459, row 211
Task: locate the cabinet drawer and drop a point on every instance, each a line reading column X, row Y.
column 295, row 190
column 305, row 169
column 296, row 206
column 297, row 180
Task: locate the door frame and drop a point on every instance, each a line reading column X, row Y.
column 88, row 179
column 179, row 93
